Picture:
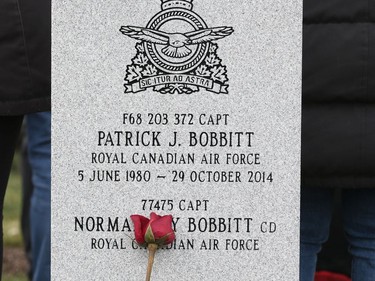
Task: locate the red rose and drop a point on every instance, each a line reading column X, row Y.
column 156, row 230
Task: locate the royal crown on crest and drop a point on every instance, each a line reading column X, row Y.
column 171, row 4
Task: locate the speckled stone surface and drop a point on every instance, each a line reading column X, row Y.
column 263, row 66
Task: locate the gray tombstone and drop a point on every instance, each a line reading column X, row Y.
column 188, row 108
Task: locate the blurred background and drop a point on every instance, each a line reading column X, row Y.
column 15, row 263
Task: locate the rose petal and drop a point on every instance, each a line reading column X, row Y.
column 171, row 238
column 162, row 227
column 168, row 239
column 154, row 217
column 140, row 227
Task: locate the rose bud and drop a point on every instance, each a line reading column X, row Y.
column 153, row 233
column 156, row 230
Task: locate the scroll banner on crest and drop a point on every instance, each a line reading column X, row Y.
column 154, row 81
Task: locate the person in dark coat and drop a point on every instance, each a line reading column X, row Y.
column 338, row 130
column 25, row 85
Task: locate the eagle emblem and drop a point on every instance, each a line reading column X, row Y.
column 176, row 53
column 177, row 43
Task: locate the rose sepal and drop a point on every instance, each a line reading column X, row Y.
column 149, row 236
column 162, row 241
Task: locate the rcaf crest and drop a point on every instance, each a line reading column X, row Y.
column 176, row 53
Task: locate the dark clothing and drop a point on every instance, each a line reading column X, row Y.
column 27, row 190
column 25, row 74
column 25, row 55
column 338, row 119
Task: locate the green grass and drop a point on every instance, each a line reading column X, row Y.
column 12, row 213
column 12, row 207
column 14, row 278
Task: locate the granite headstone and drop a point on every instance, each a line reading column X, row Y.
column 189, row 108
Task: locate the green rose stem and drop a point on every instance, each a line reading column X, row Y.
column 151, row 256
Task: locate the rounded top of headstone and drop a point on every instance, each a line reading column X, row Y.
column 170, row 4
